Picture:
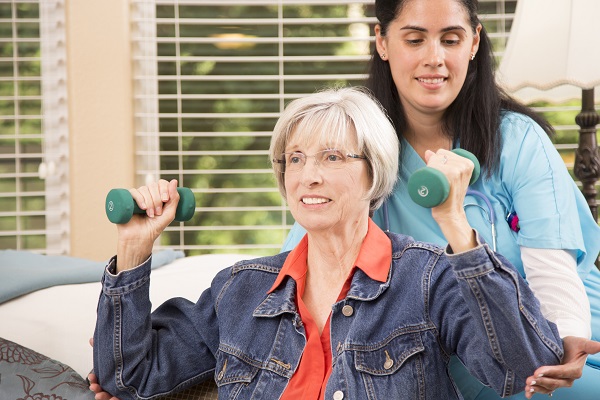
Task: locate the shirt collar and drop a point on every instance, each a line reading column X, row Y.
column 374, row 258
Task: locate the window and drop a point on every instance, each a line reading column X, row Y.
column 211, row 80
column 33, row 133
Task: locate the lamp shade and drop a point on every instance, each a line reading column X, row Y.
column 553, row 50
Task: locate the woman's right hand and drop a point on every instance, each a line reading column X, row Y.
column 136, row 237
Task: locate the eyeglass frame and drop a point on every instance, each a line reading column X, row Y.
column 282, row 161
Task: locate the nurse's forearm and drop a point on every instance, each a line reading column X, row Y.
column 552, row 276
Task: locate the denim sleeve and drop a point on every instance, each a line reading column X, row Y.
column 487, row 315
column 137, row 353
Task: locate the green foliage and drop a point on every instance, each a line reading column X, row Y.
column 21, row 126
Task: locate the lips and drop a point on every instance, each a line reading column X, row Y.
column 315, row 200
column 431, row 81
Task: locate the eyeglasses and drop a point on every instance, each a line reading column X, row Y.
column 329, row 158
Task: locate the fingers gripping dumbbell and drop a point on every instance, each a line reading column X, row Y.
column 120, row 206
column 429, row 187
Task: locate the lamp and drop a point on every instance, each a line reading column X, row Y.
column 553, row 54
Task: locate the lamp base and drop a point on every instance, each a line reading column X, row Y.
column 587, row 159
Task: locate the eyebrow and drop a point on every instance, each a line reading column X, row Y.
column 421, row 29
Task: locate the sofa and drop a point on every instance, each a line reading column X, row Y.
column 48, row 311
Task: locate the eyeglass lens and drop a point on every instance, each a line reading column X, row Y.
column 329, row 158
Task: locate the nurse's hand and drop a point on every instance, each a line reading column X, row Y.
column 547, row 379
column 95, row 386
column 97, row 389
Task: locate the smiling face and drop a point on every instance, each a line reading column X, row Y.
column 322, row 199
column 429, row 47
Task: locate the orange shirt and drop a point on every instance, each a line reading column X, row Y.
column 374, row 259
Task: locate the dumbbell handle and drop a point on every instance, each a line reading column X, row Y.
column 120, row 205
column 429, row 187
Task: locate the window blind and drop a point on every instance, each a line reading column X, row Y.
column 33, row 145
column 212, row 77
column 211, row 80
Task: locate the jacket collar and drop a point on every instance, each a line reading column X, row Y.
column 281, row 298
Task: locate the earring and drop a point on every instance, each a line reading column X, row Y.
column 472, row 56
column 383, row 56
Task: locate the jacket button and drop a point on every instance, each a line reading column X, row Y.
column 338, row 395
column 347, row 310
column 389, row 363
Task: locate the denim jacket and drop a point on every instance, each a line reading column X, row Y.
column 389, row 340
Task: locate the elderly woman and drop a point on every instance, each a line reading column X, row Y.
column 351, row 312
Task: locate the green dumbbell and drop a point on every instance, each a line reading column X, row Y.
column 120, row 206
column 429, row 187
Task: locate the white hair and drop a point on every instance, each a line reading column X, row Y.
column 329, row 117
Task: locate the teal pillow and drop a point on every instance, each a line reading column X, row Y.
column 24, row 272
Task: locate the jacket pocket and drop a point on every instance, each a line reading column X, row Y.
column 392, row 368
column 233, row 373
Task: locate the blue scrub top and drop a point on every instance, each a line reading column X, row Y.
column 531, row 180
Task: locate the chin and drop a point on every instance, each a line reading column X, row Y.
column 435, row 107
column 315, row 223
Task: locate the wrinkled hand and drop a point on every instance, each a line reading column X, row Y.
column 159, row 201
column 457, row 170
column 450, row 215
column 95, row 387
column 547, row 379
column 136, row 238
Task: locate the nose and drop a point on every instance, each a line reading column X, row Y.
column 435, row 55
column 317, row 161
column 311, row 172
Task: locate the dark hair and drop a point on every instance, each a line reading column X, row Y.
column 473, row 118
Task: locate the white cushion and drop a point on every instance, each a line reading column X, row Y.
column 59, row 321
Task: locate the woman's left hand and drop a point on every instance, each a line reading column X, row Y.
column 547, row 379
column 450, row 215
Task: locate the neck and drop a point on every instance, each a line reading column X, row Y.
column 425, row 133
column 331, row 257
column 331, row 254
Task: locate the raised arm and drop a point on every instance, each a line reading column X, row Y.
column 496, row 328
column 136, row 353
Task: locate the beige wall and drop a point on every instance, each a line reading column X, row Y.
column 101, row 140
